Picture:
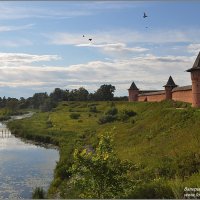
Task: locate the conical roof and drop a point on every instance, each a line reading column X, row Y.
column 133, row 87
column 196, row 65
column 170, row 83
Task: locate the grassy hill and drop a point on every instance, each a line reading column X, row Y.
column 162, row 140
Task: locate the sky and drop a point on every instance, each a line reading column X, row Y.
column 42, row 45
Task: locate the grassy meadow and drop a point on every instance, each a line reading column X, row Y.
column 162, row 140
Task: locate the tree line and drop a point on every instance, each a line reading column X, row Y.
column 46, row 102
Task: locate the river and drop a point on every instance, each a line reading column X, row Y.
column 23, row 166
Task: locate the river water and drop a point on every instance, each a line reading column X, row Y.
column 23, row 166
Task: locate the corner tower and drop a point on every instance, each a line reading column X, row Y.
column 195, row 76
column 170, row 85
column 133, row 92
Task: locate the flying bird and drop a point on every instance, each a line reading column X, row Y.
column 83, row 35
column 90, row 39
column 144, row 16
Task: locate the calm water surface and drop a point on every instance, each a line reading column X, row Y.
column 23, row 166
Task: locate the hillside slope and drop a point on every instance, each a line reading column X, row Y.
column 162, row 140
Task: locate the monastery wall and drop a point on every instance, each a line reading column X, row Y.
column 189, row 93
column 156, row 97
column 182, row 94
column 178, row 94
column 152, row 97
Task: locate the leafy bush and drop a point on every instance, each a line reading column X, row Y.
column 166, row 167
column 157, row 189
column 123, row 117
column 100, row 174
column 38, row 193
column 130, row 113
column 62, row 171
column 126, row 114
column 112, row 111
column 93, row 109
column 188, row 164
column 75, row 115
column 106, row 119
column 4, row 118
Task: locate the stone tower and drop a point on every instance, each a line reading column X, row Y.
column 169, row 87
column 133, row 92
column 195, row 76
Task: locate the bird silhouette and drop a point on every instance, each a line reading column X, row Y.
column 144, row 16
column 90, row 39
column 83, row 35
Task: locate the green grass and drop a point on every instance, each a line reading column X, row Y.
column 158, row 140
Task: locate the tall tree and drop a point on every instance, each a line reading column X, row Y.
column 12, row 105
column 105, row 93
column 38, row 99
column 59, row 95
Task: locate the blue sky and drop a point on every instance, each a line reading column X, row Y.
column 42, row 45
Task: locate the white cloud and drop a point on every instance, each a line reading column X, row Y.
column 124, row 36
column 149, row 72
column 14, row 59
column 109, row 47
column 115, row 48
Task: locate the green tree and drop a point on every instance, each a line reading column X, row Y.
column 59, row 95
column 48, row 105
column 78, row 95
column 99, row 173
column 82, row 94
column 105, row 93
column 38, row 99
column 12, row 105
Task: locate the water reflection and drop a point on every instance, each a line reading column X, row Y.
column 24, row 166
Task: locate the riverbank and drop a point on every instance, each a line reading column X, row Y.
column 155, row 139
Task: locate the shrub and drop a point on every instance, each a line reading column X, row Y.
column 112, row 111
column 130, row 113
column 166, row 167
column 62, row 171
column 188, row 164
column 157, row 189
column 38, row 193
column 75, row 115
column 93, row 109
column 123, row 117
column 4, row 118
column 126, row 114
column 98, row 173
column 106, row 119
